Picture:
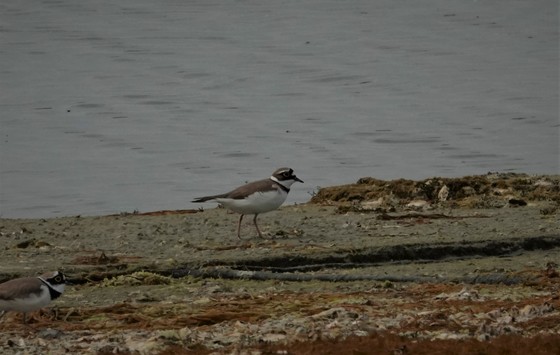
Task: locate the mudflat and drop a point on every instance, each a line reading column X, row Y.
column 401, row 265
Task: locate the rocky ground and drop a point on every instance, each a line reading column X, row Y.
column 468, row 265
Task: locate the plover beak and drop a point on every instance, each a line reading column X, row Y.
column 297, row 179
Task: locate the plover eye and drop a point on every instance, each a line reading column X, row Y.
column 58, row 279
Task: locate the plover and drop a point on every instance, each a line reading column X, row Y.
column 29, row 294
column 256, row 197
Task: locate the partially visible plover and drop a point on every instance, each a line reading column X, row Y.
column 29, row 294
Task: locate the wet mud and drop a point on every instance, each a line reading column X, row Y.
column 467, row 265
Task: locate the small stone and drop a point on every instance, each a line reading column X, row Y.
column 443, row 193
column 50, row 333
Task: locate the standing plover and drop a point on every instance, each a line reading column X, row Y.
column 29, row 294
column 256, row 197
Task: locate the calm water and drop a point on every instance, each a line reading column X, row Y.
column 112, row 106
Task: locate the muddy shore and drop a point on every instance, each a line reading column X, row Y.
column 400, row 264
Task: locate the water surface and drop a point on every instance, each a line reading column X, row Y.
column 139, row 105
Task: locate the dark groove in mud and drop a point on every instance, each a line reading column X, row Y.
column 394, row 254
column 298, row 268
column 222, row 273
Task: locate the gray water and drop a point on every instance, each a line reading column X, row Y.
column 116, row 106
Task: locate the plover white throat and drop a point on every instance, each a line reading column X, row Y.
column 256, row 197
column 29, row 294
